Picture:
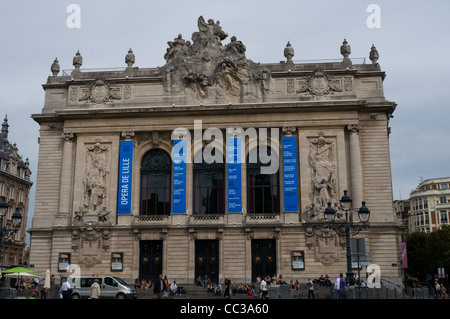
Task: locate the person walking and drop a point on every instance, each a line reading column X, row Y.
column 227, row 289
column 263, row 288
column 159, row 287
column 95, row 290
column 65, row 290
column 310, row 289
column 339, row 286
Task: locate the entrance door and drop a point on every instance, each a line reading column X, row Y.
column 264, row 256
column 207, row 259
column 150, row 259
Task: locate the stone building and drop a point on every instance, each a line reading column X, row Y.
column 15, row 188
column 212, row 164
column 429, row 205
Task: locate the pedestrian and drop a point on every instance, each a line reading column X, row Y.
column 158, row 287
column 65, row 290
column 437, row 289
column 310, row 289
column 339, row 286
column 263, row 288
column 227, row 290
column 95, row 290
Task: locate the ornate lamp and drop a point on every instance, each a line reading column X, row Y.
column 3, row 207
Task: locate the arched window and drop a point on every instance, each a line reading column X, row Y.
column 209, row 190
column 156, row 168
column 262, row 189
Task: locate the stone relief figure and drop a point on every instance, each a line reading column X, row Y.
column 95, row 179
column 79, row 215
column 323, row 167
column 235, row 48
column 103, row 215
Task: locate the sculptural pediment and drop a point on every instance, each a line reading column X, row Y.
column 205, row 69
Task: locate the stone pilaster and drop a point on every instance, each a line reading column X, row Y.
column 355, row 166
column 65, row 188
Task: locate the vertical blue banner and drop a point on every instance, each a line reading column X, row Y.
column 179, row 176
column 234, row 175
column 290, row 174
column 125, row 174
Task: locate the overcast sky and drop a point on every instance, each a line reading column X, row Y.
column 412, row 38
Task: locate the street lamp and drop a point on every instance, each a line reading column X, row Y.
column 349, row 228
column 6, row 232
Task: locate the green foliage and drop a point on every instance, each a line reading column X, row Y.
column 426, row 250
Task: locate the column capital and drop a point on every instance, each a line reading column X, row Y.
column 354, row 128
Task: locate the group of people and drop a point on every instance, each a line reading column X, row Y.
column 160, row 287
column 440, row 290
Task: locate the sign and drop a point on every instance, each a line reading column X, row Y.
column 290, row 174
column 179, row 176
column 298, row 260
column 63, row 261
column 116, row 261
column 404, row 255
column 234, row 175
column 125, row 175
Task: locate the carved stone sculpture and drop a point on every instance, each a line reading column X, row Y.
column 95, row 179
column 289, row 52
column 77, row 60
column 323, row 179
column 130, row 58
column 373, row 55
column 206, row 70
column 55, row 68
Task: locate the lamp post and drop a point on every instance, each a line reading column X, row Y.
column 6, row 232
column 347, row 228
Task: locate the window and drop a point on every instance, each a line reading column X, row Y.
column 156, row 168
column 209, row 190
column 444, row 186
column 262, row 189
column 443, row 199
column 425, row 203
column 444, row 219
column 427, row 219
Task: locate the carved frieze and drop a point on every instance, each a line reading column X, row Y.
column 91, row 243
column 319, row 83
column 324, row 243
column 98, row 91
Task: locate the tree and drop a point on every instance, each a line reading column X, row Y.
column 426, row 250
column 416, row 244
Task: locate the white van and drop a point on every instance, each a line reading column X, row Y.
column 110, row 287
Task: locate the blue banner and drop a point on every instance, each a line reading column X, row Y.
column 290, row 174
column 179, row 176
column 125, row 174
column 234, row 175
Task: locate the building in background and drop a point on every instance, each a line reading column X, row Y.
column 212, row 165
column 429, row 205
column 401, row 209
column 15, row 187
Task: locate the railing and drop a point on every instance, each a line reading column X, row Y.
column 68, row 72
column 337, row 60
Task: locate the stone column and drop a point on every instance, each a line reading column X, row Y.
column 65, row 187
column 355, row 167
